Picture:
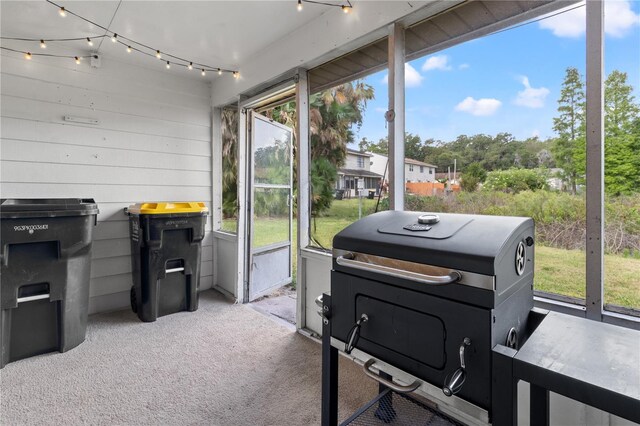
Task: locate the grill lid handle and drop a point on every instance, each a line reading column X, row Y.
column 349, row 261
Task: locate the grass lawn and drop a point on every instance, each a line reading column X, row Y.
column 557, row 271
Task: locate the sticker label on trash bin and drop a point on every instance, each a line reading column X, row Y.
column 134, row 231
column 31, row 228
column 176, row 222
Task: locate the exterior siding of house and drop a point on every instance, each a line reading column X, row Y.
column 152, row 143
column 412, row 172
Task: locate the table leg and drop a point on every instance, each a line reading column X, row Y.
column 329, row 370
column 539, row 405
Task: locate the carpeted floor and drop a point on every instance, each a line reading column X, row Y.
column 221, row 365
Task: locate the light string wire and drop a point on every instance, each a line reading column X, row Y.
column 349, row 5
column 24, row 52
column 109, row 33
column 130, row 44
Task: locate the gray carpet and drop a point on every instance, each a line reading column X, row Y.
column 221, row 365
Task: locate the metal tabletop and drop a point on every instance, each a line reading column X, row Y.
column 592, row 362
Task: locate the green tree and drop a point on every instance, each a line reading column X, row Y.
column 472, row 175
column 622, row 136
column 229, row 129
column 380, row 147
column 413, row 147
column 620, row 110
column 332, row 114
column 569, row 147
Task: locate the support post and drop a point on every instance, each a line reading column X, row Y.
column 216, row 182
column 504, row 388
column 395, row 117
column 595, row 160
column 303, row 160
column 329, row 416
column 243, row 165
column 539, row 406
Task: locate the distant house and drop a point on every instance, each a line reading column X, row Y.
column 357, row 173
column 414, row 170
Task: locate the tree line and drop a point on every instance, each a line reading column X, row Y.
column 478, row 154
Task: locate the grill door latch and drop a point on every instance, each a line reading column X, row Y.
column 354, row 334
column 454, row 380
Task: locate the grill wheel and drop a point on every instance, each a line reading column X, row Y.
column 512, row 339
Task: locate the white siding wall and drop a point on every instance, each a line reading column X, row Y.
column 417, row 176
column 351, row 162
column 153, row 142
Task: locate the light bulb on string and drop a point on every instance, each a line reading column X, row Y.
column 203, row 73
column 168, row 65
column 346, row 9
column 62, row 12
column 77, row 60
column 236, row 74
column 299, row 5
column 128, row 49
column 43, row 45
column 114, row 37
column 219, row 71
column 190, row 66
column 158, row 54
column 89, row 42
column 27, row 55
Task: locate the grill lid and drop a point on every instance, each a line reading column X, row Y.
column 473, row 243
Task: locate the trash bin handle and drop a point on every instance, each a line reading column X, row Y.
column 172, row 270
column 32, row 298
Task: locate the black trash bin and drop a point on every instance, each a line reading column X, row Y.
column 166, row 240
column 371, row 195
column 44, row 273
column 339, row 194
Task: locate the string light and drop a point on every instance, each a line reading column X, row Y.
column 128, row 43
column 346, row 8
column 29, row 55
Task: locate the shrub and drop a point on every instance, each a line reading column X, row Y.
column 560, row 218
column 516, row 180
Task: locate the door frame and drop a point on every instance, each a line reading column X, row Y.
column 251, row 187
column 245, row 104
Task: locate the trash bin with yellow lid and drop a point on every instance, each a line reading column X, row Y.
column 166, row 244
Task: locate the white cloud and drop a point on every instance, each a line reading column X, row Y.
column 480, row 107
column 438, row 62
column 380, row 109
column 531, row 97
column 535, row 133
column 463, row 66
column 412, row 77
column 618, row 20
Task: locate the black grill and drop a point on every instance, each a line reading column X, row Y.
column 433, row 302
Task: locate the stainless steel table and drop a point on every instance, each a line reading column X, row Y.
column 595, row 363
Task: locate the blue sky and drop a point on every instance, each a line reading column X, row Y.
column 506, row 82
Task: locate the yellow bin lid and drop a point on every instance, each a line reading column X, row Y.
column 168, row 207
